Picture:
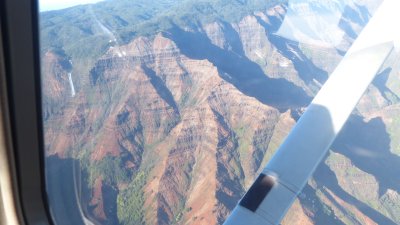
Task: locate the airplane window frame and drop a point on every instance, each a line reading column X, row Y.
column 20, row 35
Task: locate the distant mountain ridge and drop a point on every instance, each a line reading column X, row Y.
column 84, row 25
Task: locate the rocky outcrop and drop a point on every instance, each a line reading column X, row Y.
column 55, row 69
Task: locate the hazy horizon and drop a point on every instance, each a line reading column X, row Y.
column 48, row 5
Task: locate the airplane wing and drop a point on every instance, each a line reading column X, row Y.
column 282, row 180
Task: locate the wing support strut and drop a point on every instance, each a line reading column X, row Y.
column 274, row 191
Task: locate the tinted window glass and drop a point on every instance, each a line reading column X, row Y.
column 165, row 112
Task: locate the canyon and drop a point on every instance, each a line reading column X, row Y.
column 173, row 126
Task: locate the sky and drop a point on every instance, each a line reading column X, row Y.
column 46, row 5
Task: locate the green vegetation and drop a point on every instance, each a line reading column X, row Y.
column 367, row 192
column 110, row 168
column 179, row 211
column 390, row 201
column 394, row 131
column 130, row 201
column 84, row 32
column 128, row 18
column 243, row 140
